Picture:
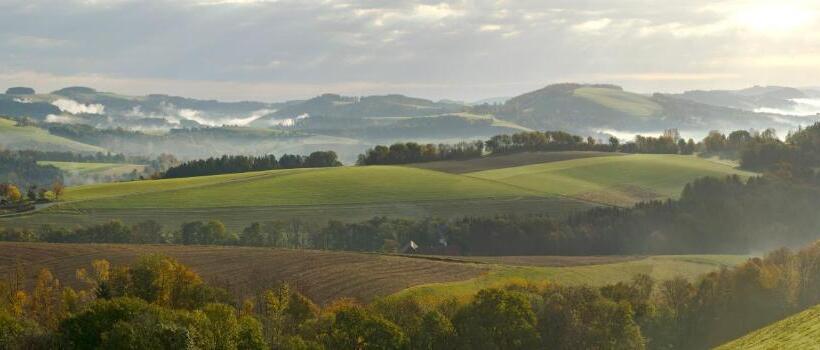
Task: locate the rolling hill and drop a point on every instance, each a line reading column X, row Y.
column 801, row 331
column 585, row 108
column 575, row 182
column 28, row 137
column 610, row 180
column 325, row 275
column 76, row 173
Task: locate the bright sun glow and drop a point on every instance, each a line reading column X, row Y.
column 773, row 17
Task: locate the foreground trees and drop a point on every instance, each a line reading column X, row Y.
column 158, row 303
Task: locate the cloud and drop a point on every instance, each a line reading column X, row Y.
column 62, row 119
column 74, row 107
column 490, row 28
column 669, row 76
column 435, row 12
column 592, row 26
column 34, row 42
column 460, row 49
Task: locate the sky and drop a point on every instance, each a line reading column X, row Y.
column 274, row 50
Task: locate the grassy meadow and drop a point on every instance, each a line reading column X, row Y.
column 557, row 183
column 103, row 169
column 622, row 180
column 659, row 267
column 626, row 102
column 801, row 331
column 377, row 184
column 28, row 137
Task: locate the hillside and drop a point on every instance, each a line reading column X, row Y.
column 611, row 180
column 28, row 137
column 507, row 161
column 355, row 193
column 598, row 274
column 76, row 173
column 324, row 275
column 344, row 107
column 801, row 331
column 346, row 185
column 94, row 168
column 775, row 99
column 590, row 108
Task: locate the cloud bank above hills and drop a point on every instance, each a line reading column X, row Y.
column 467, row 50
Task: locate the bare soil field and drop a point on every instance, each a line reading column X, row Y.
column 322, row 276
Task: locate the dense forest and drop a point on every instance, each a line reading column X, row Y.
column 411, row 152
column 158, row 303
column 240, row 164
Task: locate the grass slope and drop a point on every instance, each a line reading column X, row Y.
column 801, row 331
column 507, row 161
column 611, row 180
column 346, row 185
column 237, row 218
column 111, row 169
column 28, row 137
column 357, row 193
column 659, row 267
column 626, row 102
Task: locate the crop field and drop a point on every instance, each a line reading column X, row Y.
column 324, row 275
column 27, row 137
column 801, row 331
column 626, row 102
column 508, row 161
column 621, row 180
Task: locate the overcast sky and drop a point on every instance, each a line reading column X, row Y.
column 276, row 50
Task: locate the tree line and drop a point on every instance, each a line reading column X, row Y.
column 23, row 171
column 528, row 141
column 227, row 164
column 159, row 303
column 98, row 157
column 764, row 151
column 411, row 152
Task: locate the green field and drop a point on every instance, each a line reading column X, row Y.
column 626, row 102
column 611, row 180
column 508, row 161
column 14, row 137
column 356, row 193
column 801, row 331
column 111, row 169
column 345, row 185
column 659, row 267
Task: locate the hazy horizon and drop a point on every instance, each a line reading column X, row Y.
column 460, row 50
